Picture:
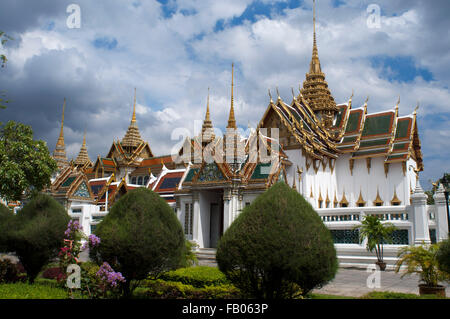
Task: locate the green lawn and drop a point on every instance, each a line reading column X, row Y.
column 26, row 291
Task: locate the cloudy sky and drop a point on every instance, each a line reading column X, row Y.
column 173, row 50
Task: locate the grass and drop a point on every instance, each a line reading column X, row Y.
column 35, row 291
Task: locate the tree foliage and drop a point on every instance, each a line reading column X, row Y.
column 443, row 256
column 141, row 235
column 376, row 234
column 25, row 164
column 277, row 247
column 37, row 232
column 6, row 216
column 423, row 261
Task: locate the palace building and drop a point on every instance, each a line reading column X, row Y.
column 348, row 163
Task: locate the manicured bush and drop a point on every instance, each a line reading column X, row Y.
column 37, row 232
column 6, row 216
column 189, row 258
column 396, row 295
column 160, row 289
column 277, row 247
column 140, row 235
column 199, row 277
column 443, row 256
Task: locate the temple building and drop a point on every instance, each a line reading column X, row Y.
column 348, row 163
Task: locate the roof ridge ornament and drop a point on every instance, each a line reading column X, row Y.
column 270, row 95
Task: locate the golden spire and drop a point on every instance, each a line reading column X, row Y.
column 59, row 154
column 133, row 119
column 315, row 62
column 315, row 89
column 132, row 137
column 207, row 127
column 83, row 156
column 231, row 118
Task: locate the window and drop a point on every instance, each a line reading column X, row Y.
column 146, row 178
column 133, row 180
column 140, row 180
column 188, row 220
column 76, row 211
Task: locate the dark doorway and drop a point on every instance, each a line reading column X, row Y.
column 215, row 224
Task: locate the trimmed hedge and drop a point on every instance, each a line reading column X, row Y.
column 278, row 247
column 140, row 235
column 199, row 277
column 396, row 295
column 160, row 289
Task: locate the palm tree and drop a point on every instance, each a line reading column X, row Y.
column 377, row 234
column 423, row 261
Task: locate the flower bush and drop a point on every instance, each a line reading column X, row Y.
column 96, row 282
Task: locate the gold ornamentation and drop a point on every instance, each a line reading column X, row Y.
column 369, row 164
column 386, row 169
column 360, row 202
column 395, row 200
column 378, row 201
column 352, row 164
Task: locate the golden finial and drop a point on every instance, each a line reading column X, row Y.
column 293, row 94
column 417, row 108
column 367, row 100
column 278, row 93
column 231, row 118
column 353, row 94
column 134, row 107
column 207, row 108
column 270, row 95
column 398, row 102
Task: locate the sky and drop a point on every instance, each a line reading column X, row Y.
column 171, row 51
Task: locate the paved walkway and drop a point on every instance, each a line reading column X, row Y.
column 354, row 283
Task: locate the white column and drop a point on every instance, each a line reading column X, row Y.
column 227, row 209
column 420, row 217
column 196, row 236
column 441, row 215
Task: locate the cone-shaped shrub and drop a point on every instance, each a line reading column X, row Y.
column 277, row 246
column 443, row 256
column 37, row 232
column 141, row 235
column 6, row 216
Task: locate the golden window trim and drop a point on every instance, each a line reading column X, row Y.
column 360, row 202
column 378, row 201
column 344, row 202
column 395, row 200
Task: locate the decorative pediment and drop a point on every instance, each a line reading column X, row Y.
column 210, row 173
column 82, row 191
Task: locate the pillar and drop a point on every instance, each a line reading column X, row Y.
column 227, row 209
column 441, row 215
column 196, row 235
column 420, row 216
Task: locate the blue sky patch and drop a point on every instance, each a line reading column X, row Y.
column 106, row 43
column 257, row 9
column 399, row 68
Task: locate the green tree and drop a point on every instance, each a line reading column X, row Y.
column 6, row 216
column 140, row 236
column 37, row 232
column 25, row 164
column 376, row 234
column 278, row 247
column 443, row 256
column 423, row 261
